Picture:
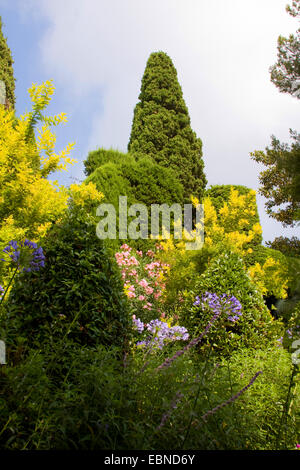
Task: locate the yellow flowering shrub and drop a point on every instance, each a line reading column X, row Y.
column 83, row 194
column 269, row 270
column 29, row 202
column 230, row 225
column 269, row 278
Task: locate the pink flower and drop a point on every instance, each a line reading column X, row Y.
column 141, row 297
column 151, row 274
column 148, row 306
column 140, row 253
column 125, row 247
column 143, row 283
column 133, row 261
column 149, row 290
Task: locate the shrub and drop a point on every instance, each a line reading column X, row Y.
column 29, row 201
column 101, row 156
column 226, row 275
column 77, row 295
column 143, row 181
column 79, row 398
column 236, row 210
column 153, row 183
column 113, row 184
column 144, row 281
column 292, row 322
column 61, row 398
column 263, row 417
column 269, row 270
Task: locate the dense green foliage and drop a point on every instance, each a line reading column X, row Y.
column 78, row 295
column 226, row 275
column 101, row 156
column 280, row 181
column 261, row 253
column 161, row 125
column 83, row 399
column 143, row 181
column 6, row 69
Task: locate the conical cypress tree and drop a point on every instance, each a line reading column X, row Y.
column 6, row 70
column 161, row 125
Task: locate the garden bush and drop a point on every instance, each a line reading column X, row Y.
column 78, row 294
column 220, row 196
column 144, row 181
column 101, row 156
column 113, row 184
column 269, row 269
column 97, row 403
column 226, row 275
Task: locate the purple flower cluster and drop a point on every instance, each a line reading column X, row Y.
column 218, row 304
column 13, row 251
column 1, row 292
column 223, row 303
column 33, row 258
column 161, row 333
column 139, row 325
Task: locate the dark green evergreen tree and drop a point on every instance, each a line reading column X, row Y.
column 6, row 70
column 161, row 125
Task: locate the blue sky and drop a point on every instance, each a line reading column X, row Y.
column 96, row 51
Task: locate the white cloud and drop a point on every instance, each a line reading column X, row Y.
column 222, row 51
